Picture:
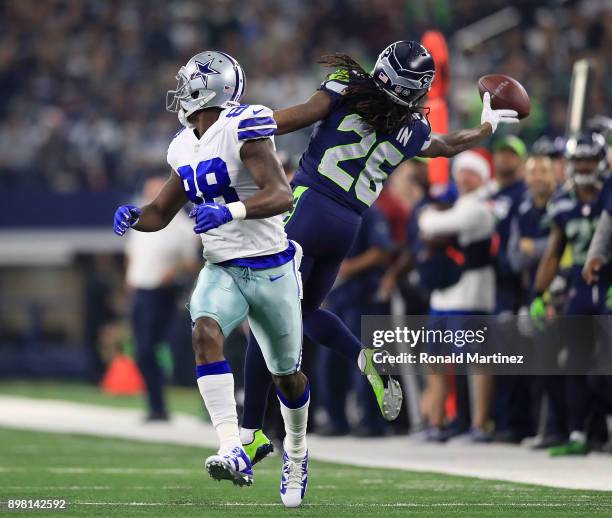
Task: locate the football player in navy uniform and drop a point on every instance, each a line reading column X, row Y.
column 529, row 232
column 574, row 215
column 366, row 125
column 530, row 227
column 512, row 416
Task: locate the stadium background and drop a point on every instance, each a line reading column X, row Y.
column 82, row 125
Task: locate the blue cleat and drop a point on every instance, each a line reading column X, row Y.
column 233, row 465
column 294, row 479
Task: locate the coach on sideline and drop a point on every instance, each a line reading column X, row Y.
column 155, row 262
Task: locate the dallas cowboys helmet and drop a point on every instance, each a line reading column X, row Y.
column 209, row 79
column 405, row 71
column 587, row 146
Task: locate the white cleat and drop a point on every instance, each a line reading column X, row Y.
column 294, row 479
column 231, row 465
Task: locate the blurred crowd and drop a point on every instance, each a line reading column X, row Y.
column 83, row 83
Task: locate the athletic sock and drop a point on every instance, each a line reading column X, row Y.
column 247, row 435
column 577, row 436
column 216, row 384
column 325, row 328
column 257, row 383
column 295, row 416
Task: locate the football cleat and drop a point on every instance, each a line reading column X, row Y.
column 233, row 465
column 259, row 448
column 294, row 479
column 389, row 398
column 569, row 448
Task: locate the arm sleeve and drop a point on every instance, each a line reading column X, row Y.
column 601, row 244
column 452, row 221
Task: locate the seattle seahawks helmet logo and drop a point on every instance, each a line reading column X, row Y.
column 426, row 80
column 203, row 71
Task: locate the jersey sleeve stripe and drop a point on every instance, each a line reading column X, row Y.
column 256, row 133
column 256, row 121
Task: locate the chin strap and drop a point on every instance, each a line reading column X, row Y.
column 183, row 119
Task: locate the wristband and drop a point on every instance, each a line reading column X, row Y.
column 237, row 210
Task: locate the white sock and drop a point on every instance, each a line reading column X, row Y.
column 577, row 436
column 247, row 435
column 218, row 393
column 296, row 420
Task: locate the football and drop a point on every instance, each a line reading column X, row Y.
column 506, row 93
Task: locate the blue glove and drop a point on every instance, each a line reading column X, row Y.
column 209, row 216
column 126, row 216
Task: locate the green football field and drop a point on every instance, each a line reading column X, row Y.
column 110, row 477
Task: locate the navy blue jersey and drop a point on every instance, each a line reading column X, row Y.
column 531, row 222
column 506, row 202
column 578, row 221
column 608, row 200
column 347, row 161
column 505, row 205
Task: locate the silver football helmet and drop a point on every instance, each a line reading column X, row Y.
column 209, row 79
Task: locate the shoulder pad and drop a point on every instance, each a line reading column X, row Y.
column 255, row 122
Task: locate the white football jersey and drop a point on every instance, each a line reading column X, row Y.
column 211, row 171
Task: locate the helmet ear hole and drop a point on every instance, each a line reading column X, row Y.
column 195, row 94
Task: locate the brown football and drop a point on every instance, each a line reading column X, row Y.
column 506, row 93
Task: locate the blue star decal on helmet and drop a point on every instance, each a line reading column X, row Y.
column 204, row 70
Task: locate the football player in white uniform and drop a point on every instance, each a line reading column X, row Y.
column 224, row 161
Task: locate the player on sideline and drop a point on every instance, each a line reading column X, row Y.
column 574, row 213
column 224, row 161
column 367, row 124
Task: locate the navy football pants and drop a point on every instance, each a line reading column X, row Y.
column 326, row 231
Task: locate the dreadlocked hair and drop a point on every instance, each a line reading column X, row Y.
column 365, row 98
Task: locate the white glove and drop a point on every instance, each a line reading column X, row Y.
column 494, row 117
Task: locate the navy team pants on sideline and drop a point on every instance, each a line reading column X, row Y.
column 326, row 231
column 153, row 312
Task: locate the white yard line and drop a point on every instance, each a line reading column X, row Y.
column 343, row 505
column 501, row 462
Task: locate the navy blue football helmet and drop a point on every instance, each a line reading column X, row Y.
column 405, row 71
column 587, row 145
column 546, row 146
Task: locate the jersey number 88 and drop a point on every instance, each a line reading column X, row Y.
column 209, row 181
